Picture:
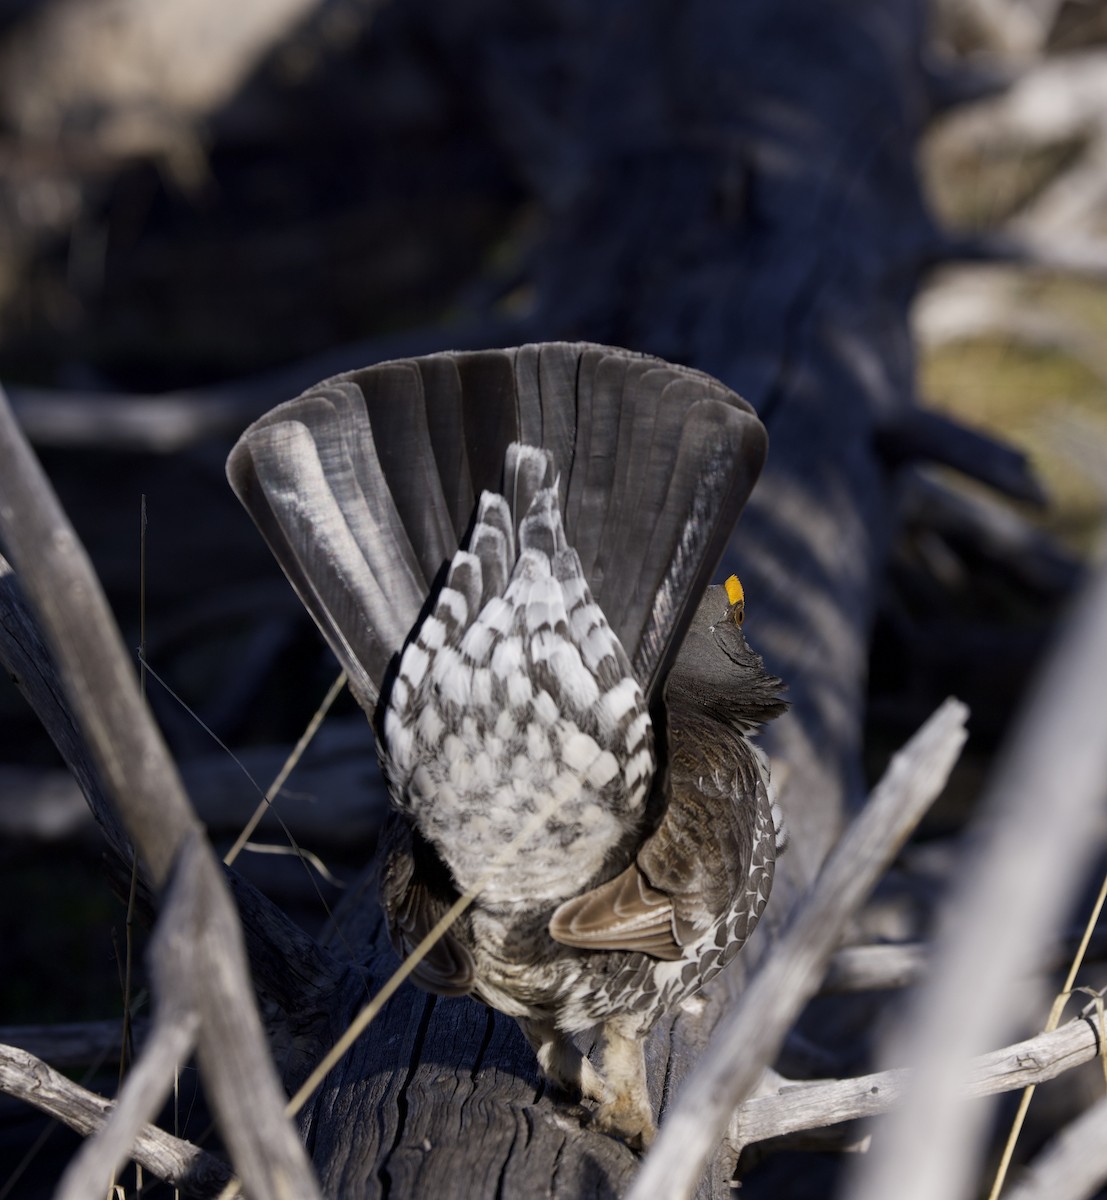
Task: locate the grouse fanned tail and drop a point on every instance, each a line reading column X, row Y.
column 509, row 553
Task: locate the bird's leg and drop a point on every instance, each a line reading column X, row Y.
column 626, row 1111
column 561, row 1062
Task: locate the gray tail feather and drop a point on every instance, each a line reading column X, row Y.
column 365, row 485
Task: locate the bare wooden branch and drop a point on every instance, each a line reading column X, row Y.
column 976, row 301
column 194, row 1171
column 133, row 762
column 875, row 968
column 41, row 804
column 335, row 799
column 923, row 434
column 954, row 82
column 30, row 664
column 148, row 1082
column 144, row 72
column 166, row 423
column 992, row 529
column 748, row 1038
column 291, row 972
column 1049, row 101
column 1037, row 835
column 176, row 956
column 1067, row 212
column 1077, row 255
column 799, row 1106
column 59, row 581
column 152, row 424
column 1083, row 442
column 904, row 964
column 1057, row 101
column 1019, row 30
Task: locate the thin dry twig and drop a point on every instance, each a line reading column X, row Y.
column 290, row 762
column 194, row 1171
column 801, row 1106
column 1054, row 1017
column 132, row 760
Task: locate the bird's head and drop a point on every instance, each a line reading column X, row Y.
column 716, row 669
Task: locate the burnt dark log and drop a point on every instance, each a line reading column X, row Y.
column 747, row 207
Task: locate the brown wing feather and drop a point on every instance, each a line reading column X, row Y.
column 625, row 913
column 695, row 866
column 687, row 874
column 700, row 854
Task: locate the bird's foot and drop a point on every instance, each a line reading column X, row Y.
column 592, row 1086
column 625, row 1111
column 623, row 1116
column 562, row 1063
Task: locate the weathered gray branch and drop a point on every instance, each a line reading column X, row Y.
column 863, row 968
column 749, row 1037
column 1073, row 1166
column 290, row 971
column 799, row 1106
column 889, row 965
column 927, row 435
column 185, row 1166
column 177, row 961
column 75, row 1044
column 336, row 798
column 137, row 771
column 1036, row 837
column 142, row 74
column 991, row 528
column 978, row 301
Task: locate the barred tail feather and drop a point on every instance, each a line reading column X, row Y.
column 366, row 484
column 356, row 577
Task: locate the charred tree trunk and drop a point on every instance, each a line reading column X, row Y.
column 731, row 187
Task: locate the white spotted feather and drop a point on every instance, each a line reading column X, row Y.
column 500, row 741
